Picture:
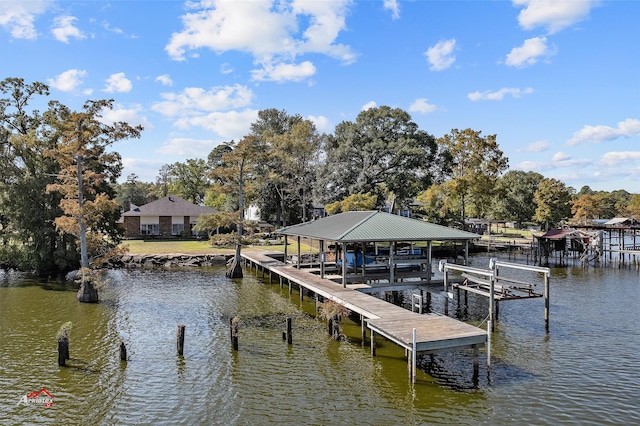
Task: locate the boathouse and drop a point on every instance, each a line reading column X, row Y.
column 365, row 246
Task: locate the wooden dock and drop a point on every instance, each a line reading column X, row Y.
column 433, row 333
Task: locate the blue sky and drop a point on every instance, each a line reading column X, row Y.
column 558, row 82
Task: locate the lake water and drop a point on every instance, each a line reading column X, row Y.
column 585, row 371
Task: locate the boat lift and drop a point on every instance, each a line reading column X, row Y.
column 489, row 283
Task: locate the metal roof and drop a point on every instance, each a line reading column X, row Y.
column 171, row 205
column 365, row 226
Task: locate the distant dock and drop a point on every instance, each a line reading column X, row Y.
column 416, row 333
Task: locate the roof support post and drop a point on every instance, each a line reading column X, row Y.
column 286, row 243
column 392, row 262
column 429, row 259
column 321, row 258
column 466, row 253
column 344, row 265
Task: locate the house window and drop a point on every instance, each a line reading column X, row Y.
column 150, row 229
column 177, row 228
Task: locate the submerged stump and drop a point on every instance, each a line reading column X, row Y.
column 87, row 293
column 63, row 351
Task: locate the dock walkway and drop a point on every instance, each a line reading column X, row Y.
column 434, row 333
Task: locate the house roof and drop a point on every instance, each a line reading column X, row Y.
column 171, row 205
column 370, row 226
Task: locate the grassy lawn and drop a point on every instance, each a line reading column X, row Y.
column 199, row 247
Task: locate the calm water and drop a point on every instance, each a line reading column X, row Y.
column 585, row 371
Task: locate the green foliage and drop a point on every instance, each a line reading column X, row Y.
column 475, row 163
column 382, row 153
column 633, row 208
column 553, row 200
column 354, row 202
column 189, row 180
column 514, row 194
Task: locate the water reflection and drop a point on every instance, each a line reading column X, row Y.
column 567, row 375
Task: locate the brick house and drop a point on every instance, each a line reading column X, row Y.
column 168, row 216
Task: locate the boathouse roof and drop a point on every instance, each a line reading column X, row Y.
column 372, row 226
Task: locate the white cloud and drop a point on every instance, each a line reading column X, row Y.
column 275, row 33
column 284, row 72
column 165, row 80
column 195, row 100
column 441, row 56
column 560, row 156
column 18, row 18
column 226, row 68
column 228, row 125
column 64, row 29
column 422, row 106
column 68, row 80
column 500, row 94
column 188, row 147
column 393, row 6
column 596, row 134
column 118, row 83
column 322, row 123
column 529, row 53
column 553, row 15
column 611, row 159
column 538, row 146
column 132, row 116
column 368, row 105
column 146, row 169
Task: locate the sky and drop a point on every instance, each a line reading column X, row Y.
column 558, row 82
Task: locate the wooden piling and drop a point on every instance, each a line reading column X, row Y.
column 180, row 343
column 63, row 351
column 289, row 333
column 233, row 331
column 123, row 352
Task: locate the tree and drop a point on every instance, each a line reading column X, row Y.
column 133, row 191
column 27, row 211
column 190, row 180
column 354, row 202
column 514, row 194
column 87, row 173
column 291, row 159
column 240, row 173
column 553, row 202
column 633, row 209
column 383, row 152
column 475, row 163
column 437, row 206
column 286, row 140
column 585, row 208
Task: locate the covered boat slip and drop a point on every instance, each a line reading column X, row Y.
column 433, row 333
column 370, row 246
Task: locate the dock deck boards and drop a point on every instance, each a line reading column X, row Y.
column 434, row 332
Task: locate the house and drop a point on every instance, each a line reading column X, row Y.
column 168, row 216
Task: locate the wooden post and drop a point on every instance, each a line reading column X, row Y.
column 301, row 292
column 373, row 343
column 363, row 328
column 546, row 302
column 63, row 351
column 233, row 329
column 180, row 336
column 289, row 334
column 123, row 352
column 476, row 366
